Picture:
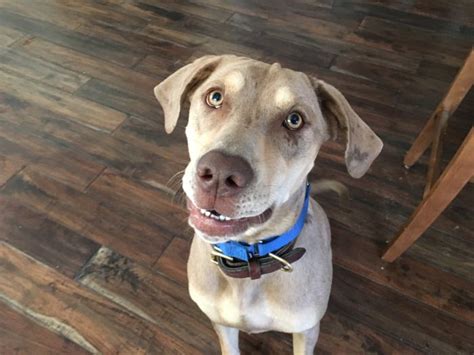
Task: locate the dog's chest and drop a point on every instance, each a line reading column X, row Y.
column 240, row 307
column 251, row 307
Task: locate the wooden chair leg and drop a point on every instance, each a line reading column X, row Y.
column 441, row 122
column 458, row 89
column 459, row 171
column 421, row 143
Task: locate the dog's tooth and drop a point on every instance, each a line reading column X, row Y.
column 207, row 213
column 227, row 218
column 203, row 211
column 221, row 217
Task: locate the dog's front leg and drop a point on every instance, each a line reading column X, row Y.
column 228, row 339
column 304, row 342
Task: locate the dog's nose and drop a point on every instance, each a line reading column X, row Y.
column 223, row 174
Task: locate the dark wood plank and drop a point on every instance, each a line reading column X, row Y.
column 401, row 11
column 328, row 44
column 44, row 240
column 41, row 11
column 444, row 13
column 203, row 11
column 8, row 36
column 25, row 66
column 408, row 276
column 84, row 317
column 264, row 9
column 147, row 11
column 399, row 192
column 410, row 40
column 139, row 41
column 183, row 38
column 255, row 42
column 390, row 313
column 318, row 23
column 150, row 135
column 91, row 66
column 92, row 12
column 21, row 335
column 99, row 47
column 379, row 219
column 8, row 168
column 80, row 141
column 100, row 220
column 151, row 297
column 26, row 147
column 157, row 67
column 119, row 99
column 42, row 156
column 340, row 334
column 437, row 71
column 380, row 75
column 72, row 107
column 173, row 260
column 147, row 203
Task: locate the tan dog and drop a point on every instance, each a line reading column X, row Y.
column 254, row 132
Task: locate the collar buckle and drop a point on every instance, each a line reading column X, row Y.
column 216, row 252
column 287, row 267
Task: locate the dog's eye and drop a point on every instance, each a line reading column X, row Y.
column 293, row 121
column 215, row 98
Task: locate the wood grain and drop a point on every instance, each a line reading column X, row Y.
column 9, row 36
column 8, row 168
column 100, row 220
column 24, row 336
column 48, row 242
column 456, row 175
column 416, row 280
column 90, row 65
column 25, row 66
column 72, row 107
column 151, row 297
column 352, row 293
column 23, row 146
column 58, row 303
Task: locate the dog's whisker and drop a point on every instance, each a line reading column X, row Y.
column 175, row 178
column 181, row 172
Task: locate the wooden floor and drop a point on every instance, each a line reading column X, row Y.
column 93, row 251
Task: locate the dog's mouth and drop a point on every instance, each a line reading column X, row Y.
column 215, row 224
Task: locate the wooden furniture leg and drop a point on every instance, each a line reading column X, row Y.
column 458, row 89
column 459, row 171
column 440, row 124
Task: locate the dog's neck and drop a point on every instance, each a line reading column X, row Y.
column 283, row 218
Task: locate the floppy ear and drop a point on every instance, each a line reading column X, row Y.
column 173, row 91
column 362, row 145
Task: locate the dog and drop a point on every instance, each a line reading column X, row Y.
column 260, row 259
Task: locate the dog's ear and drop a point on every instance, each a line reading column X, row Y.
column 174, row 90
column 362, row 145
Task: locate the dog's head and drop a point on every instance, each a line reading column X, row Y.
column 254, row 132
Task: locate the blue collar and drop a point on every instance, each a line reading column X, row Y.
column 244, row 251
